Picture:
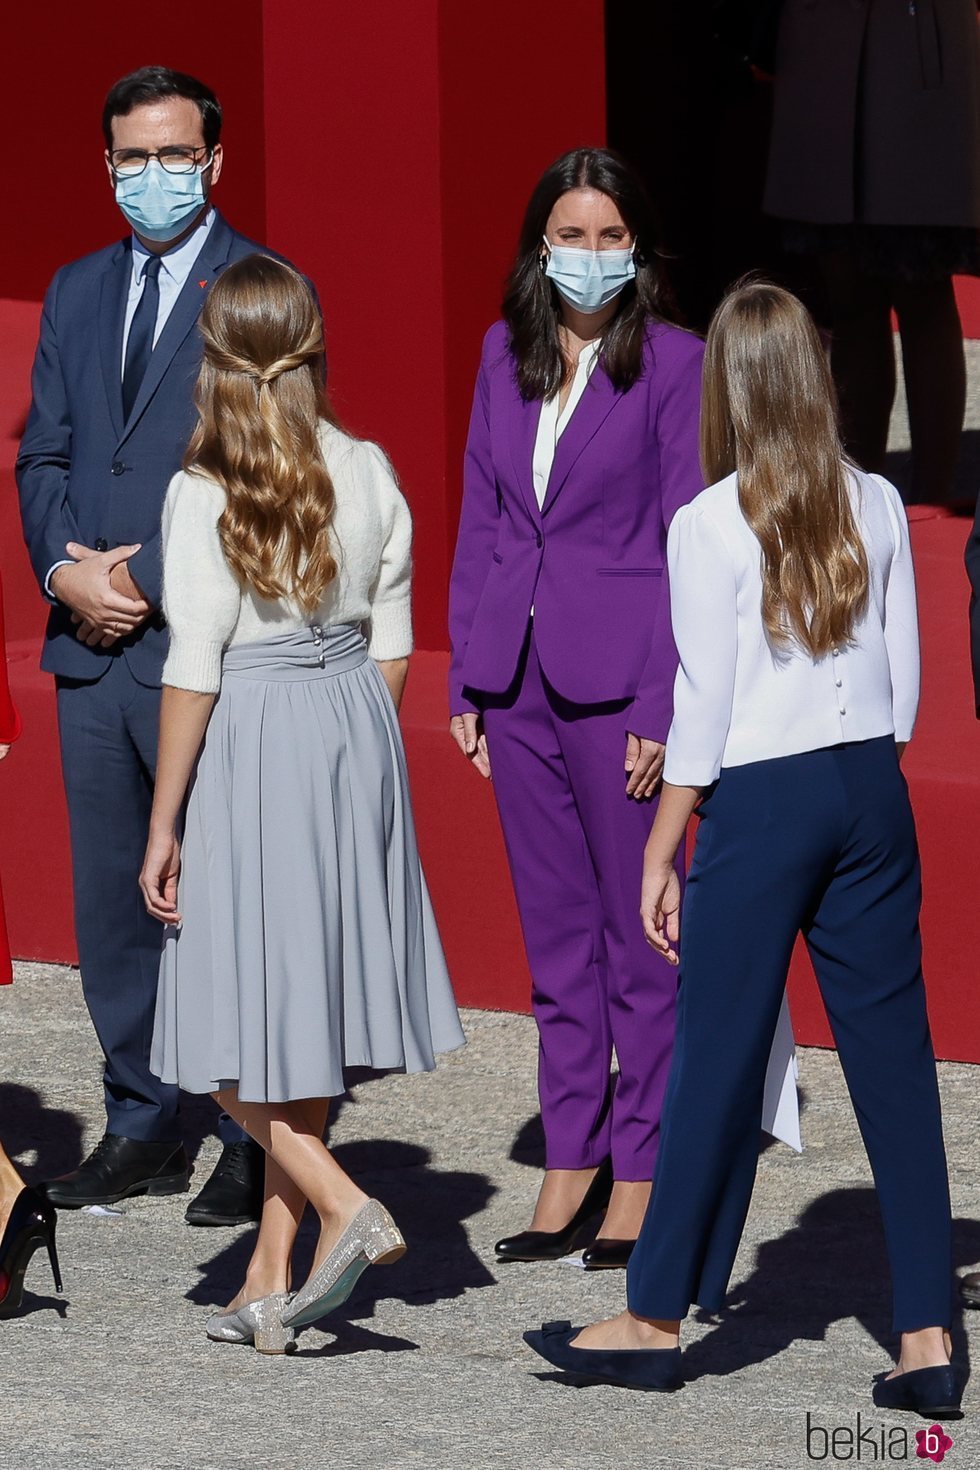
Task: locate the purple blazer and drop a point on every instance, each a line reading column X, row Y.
column 592, row 560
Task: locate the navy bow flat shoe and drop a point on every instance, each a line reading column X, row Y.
column 654, row 1370
column 934, row 1393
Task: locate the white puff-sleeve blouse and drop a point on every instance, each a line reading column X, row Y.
column 738, row 699
column 371, row 538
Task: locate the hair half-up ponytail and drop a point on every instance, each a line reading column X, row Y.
column 259, row 399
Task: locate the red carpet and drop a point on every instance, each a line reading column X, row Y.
column 968, row 297
column 461, row 843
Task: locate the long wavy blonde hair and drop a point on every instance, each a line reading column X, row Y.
column 260, row 399
column 769, row 411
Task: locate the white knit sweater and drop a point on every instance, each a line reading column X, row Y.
column 370, row 537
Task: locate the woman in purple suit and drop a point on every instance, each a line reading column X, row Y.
column 583, row 442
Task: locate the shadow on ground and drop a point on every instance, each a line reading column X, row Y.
column 805, row 1281
column 430, row 1206
column 26, row 1125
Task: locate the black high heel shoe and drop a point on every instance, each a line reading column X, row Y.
column 548, row 1245
column 31, row 1225
column 608, row 1254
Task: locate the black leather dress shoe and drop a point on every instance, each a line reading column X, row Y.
column 118, row 1167
column 548, row 1245
column 654, row 1370
column 935, row 1393
column 233, row 1195
column 607, row 1254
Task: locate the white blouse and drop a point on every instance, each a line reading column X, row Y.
column 370, row 537
column 552, row 423
column 736, row 698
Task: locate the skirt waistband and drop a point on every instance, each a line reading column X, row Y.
column 306, row 653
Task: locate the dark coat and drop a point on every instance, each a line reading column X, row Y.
column 877, row 113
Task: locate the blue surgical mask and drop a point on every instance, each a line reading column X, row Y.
column 589, row 279
column 158, row 205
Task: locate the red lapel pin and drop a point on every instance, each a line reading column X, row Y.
column 202, row 284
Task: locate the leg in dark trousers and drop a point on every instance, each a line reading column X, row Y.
column 934, row 366
column 862, row 357
column 105, row 730
column 762, row 845
column 823, row 841
column 866, row 951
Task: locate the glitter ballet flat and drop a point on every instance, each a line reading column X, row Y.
column 259, row 1323
column 371, row 1238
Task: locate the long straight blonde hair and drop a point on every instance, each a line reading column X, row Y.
column 769, row 412
column 260, row 401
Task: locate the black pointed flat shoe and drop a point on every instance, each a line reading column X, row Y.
column 652, row 1370
column 607, row 1254
column 549, row 1245
column 935, row 1393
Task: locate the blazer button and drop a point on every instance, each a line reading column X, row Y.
column 117, row 467
column 538, row 539
column 102, row 544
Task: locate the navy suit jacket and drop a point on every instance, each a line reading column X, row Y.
column 82, row 472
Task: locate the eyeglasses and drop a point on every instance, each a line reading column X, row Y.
column 175, row 160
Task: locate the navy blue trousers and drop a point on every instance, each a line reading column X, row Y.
column 109, row 731
column 822, row 843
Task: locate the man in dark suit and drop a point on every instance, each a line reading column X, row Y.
column 111, row 415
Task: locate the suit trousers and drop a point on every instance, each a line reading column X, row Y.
column 575, row 845
column 822, row 843
column 109, row 730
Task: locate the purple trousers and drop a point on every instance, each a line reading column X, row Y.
column 575, row 845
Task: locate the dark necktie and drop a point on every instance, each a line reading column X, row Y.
column 140, row 343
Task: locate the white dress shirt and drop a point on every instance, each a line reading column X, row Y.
column 553, row 422
column 175, row 267
column 736, row 698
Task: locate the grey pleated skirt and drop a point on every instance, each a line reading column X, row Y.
column 308, row 942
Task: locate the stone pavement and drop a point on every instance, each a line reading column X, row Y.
column 425, row 1365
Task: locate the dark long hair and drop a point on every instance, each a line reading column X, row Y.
column 155, row 84
column 530, row 306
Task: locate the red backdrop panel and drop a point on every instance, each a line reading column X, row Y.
column 62, row 58
column 428, row 124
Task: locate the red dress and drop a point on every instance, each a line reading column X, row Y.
column 9, row 730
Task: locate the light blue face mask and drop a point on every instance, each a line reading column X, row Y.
column 589, row 279
column 159, row 205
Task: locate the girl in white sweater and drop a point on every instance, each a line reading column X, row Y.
column 300, row 937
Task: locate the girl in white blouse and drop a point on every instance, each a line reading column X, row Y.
column 793, row 609
column 299, row 936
